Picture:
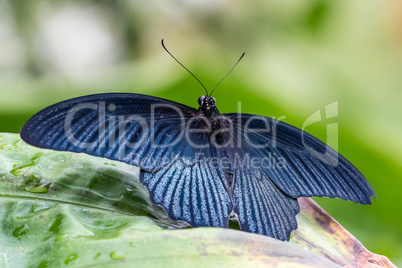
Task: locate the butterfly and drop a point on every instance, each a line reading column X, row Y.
column 201, row 166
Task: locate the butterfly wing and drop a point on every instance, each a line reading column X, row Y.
column 262, row 207
column 137, row 129
column 190, row 192
column 298, row 163
column 193, row 187
column 152, row 133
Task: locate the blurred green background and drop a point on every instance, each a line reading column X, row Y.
column 300, row 57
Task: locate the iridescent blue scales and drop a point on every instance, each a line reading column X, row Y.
column 199, row 165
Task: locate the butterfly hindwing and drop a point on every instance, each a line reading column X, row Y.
column 191, row 189
column 262, row 207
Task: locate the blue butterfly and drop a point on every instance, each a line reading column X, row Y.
column 202, row 166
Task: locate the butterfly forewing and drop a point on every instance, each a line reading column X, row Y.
column 287, row 158
column 137, row 129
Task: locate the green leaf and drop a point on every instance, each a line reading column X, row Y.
column 64, row 209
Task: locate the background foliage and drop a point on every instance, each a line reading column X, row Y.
column 300, row 56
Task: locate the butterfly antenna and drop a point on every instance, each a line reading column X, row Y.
column 163, row 45
column 242, row 55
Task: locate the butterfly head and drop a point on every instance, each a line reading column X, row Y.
column 207, row 105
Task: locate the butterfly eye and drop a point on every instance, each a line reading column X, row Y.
column 214, row 101
column 200, row 100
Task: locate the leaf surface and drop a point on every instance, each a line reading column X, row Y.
column 65, row 209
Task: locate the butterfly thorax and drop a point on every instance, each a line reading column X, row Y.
column 208, row 107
